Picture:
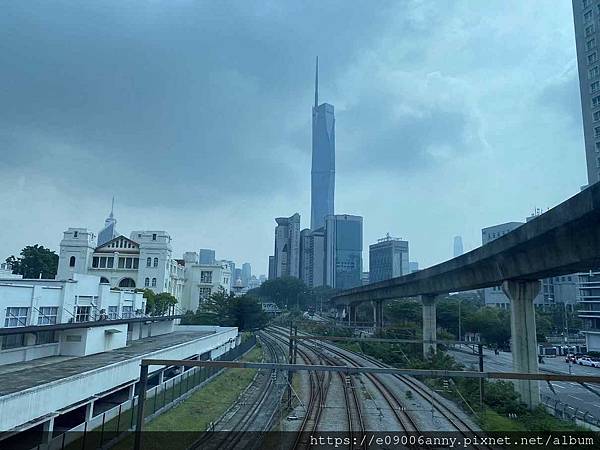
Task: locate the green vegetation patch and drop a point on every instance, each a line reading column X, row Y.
column 198, row 411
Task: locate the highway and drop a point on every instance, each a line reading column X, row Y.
column 571, row 393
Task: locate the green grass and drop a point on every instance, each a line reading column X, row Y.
column 198, row 411
column 210, row 402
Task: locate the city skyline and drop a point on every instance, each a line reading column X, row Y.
column 411, row 126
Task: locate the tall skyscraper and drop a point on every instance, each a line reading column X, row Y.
column 110, row 227
column 458, row 246
column 586, row 17
column 323, row 160
column 388, row 258
column 343, row 251
column 312, row 257
column 206, row 256
column 246, row 273
column 286, row 260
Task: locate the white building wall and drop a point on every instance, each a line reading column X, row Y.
column 21, row 407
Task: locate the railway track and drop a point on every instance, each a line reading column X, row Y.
column 403, row 418
column 453, row 418
column 246, row 419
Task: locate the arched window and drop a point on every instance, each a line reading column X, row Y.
column 147, row 282
column 148, row 262
column 127, row 283
column 104, row 280
column 72, row 261
column 153, row 282
column 155, row 262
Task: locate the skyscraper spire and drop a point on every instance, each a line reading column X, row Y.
column 317, row 83
column 112, row 207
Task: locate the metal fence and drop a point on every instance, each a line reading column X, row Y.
column 565, row 411
column 112, row 424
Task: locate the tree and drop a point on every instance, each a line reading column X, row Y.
column 285, row 292
column 35, row 261
column 244, row 312
column 158, row 304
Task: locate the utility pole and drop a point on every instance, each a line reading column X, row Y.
column 459, row 320
column 481, row 387
column 289, row 377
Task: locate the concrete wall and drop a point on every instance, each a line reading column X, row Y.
column 20, row 354
column 29, row 404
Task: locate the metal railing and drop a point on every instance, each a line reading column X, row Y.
column 565, row 411
column 114, row 423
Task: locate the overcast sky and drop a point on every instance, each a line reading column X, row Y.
column 450, row 116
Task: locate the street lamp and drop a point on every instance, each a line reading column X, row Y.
column 459, row 319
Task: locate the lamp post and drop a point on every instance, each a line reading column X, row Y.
column 459, row 320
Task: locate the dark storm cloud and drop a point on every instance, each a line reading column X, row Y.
column 182, row 97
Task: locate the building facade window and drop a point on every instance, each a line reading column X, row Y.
column 113, row 312
column 147, row 282
column 148, row 262
column 16, row 317
column 585, row 3
column 13, row 341
column 127, row 312
column 596, row 101
column 590, row 44
column 155, row 262
column 127, row 283
column 596, row 116
column 154, row 237
column 45, row 337
column 72, row 261
column 47, row 315
column 153, row 282
column 104, row 280
column 592, row 58
column 589, row 30
column 587, row 17
column 204, row 293
column 594, row 72
column 82, row 313
column 205, row 276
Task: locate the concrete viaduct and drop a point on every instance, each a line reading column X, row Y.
column 564, row 240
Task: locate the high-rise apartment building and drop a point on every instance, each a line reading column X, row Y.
column 586, row 16
column 246, row 273
column 286, row 260
column 388, row 258
column 312, row 257
column 206, row 256
column 343, row 251
column 323, row 160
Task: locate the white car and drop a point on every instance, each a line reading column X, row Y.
column 586, row 361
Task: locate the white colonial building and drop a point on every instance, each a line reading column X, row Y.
column 202, row 280
column 143, row 260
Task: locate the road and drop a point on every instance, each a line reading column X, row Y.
column 571, row 393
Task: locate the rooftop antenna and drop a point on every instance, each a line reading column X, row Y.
column 317, row 83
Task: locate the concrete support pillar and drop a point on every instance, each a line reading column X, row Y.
column 131, row 391
column 161, row 377
column 352, row 314
column 523, row 336
column 48, row 429
column 378, row 315
column 429, row 324
column 89, row 411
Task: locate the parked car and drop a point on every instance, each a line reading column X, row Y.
column 587, row 361
column 573, row 357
